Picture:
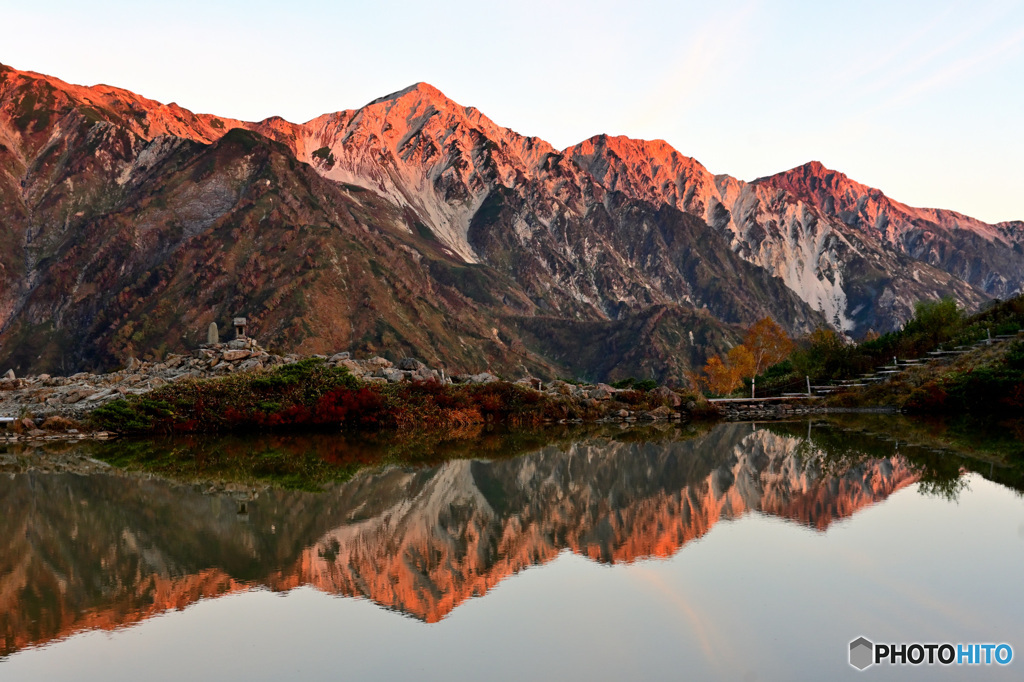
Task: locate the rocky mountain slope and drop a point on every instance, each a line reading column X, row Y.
column 846, row 249
column 417, row 226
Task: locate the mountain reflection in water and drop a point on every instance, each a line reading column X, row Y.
column 103, row 551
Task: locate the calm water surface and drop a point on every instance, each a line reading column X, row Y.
column 744, row 553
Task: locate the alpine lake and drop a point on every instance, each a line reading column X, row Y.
column 728, row 551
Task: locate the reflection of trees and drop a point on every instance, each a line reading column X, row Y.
column 837, row 447
column 947, row 489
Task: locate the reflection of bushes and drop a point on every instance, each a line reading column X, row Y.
column 938, row 451
column 310, row 461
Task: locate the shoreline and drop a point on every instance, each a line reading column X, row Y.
column 55, row 408
column 255, row 389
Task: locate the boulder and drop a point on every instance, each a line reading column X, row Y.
column 425, row 374
column 668, row 395
column 234, row 355
column 354, row 367
column 74, row 395
column 394, row 376
column 411, row 364
column 483, row 378
column 560, row 387
column 662, row 412
column 338, row 357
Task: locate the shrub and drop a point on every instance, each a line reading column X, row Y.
column 58, row 423
column 120, row 415
column 930, row 397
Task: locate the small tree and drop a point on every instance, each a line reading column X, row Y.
column 935, row 321
column 741, row 361
column 824, row 355
column 768, row 344
column 719, row 377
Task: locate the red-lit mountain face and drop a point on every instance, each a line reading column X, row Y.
column 415, row 225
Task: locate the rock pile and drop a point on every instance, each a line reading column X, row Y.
column 768, row 412
column 75, row 396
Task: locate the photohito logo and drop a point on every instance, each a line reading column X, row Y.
column 865, row 653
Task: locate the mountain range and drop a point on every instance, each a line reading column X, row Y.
column 417, row 226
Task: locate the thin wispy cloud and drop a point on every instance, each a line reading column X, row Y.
column 714, row 52
column 960, row 69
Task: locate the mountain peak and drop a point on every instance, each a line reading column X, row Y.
column 814, row 177
column 816, row 167
column 421, row 89
column 811, row 169
column 633, row 151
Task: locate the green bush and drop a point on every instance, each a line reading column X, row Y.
column 122, row 416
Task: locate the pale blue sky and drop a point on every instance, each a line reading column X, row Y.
column 924, row 100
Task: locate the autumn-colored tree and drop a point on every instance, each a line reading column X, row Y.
column 767, row 344
column 742, row 362
column 724, row 376
column 719, row 377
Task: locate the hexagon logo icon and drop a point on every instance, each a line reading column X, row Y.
column 861, row 653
